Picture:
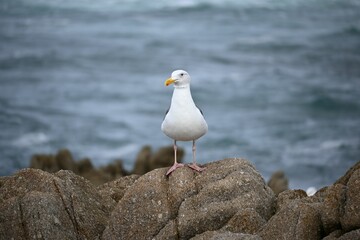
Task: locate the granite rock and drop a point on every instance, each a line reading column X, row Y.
column 286, row 197
column 37, row 204
column 351, row 218
column 229, row 200
column 117, row 188
column 221, row 235
column 298, row 220
column 188, row 203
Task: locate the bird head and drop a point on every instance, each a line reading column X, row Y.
column 180, row 78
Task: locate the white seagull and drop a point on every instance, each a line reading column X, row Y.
column 183, row 121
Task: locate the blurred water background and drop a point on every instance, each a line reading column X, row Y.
column 277, row 80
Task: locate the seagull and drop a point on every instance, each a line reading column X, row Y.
column 183, row 121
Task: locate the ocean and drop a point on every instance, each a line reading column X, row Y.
column 278, row 81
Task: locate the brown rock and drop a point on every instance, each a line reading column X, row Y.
column 142, row 161
column 65, row 161
column 44, row 162
column 164, row 157
column 344, row 179
column 38, row 204
column 116, row 189
column 36, row 215
column 245, row 221
column 297, row 220
column 97, row 176
column 114, row 169
column 188, row 203
column 278, row 182
column 84, row 166
column 353, row 235
column 333, row 236
column 331, row 207
column 220, row 235
column 286, row 197
column 351, row 218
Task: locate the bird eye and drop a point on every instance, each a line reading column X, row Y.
column 181, row 74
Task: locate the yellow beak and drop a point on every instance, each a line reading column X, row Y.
column 169, row 81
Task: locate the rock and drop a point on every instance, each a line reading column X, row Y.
column 116, row 189
column 278, row 182
column 44, row 162
column 35, row 215
column 114, row 169
column 355, row 234
column 298, row 220
column 142, row 161
column 164, row 157
column 344, row 179
column 188, row 203
column 37, row 204
column 331, row 208
column 351, row 218
column 286, row 197
column 245, row 221
column 65, row 161
column 216, row 235
column 97, row 176
column 334, row 235
column 145, row 162
column 84, row 166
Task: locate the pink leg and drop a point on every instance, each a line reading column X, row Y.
column 194, row 166
column 176, row 164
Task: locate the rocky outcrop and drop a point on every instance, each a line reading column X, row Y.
column 146, row 161
column 40, row 205
column 187, row 203
column 332, row 213
column 229, row 200
column 278, row 182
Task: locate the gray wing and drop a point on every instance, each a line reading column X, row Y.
column 166, row 113
column 199, row 110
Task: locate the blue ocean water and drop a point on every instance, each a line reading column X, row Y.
column 278, row 81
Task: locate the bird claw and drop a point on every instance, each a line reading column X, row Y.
column 173, row 168
column 196, row 167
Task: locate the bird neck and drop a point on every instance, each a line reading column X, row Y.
column 184, row 85
column 182, row 96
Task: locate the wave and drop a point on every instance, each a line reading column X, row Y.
column 143, row 5
column 31, row 139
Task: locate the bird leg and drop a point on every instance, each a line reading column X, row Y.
column 194, row 166
column 176, row 164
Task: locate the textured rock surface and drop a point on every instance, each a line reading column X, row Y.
column 332, row 213
column 188, row 203
column 37, row 204
column 351, row 218
column 295, row 221
column 245, row 221
column 116, row 189
column 332, row 207
column 227, row 201
column 286, row 197
column 215, row 235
